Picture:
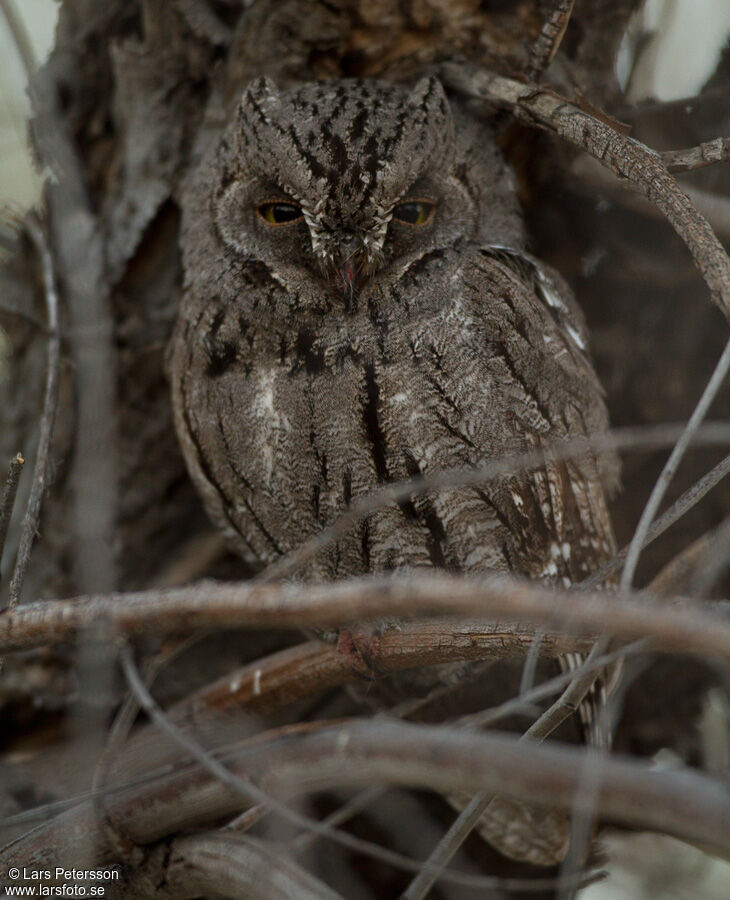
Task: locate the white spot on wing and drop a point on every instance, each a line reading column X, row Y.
column 552, row 297
column 271, row 421
column 576, row 336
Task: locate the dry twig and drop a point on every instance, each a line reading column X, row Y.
column 225, row 864
column 79, row 253
column 8, row 499
column 468, row 819
column 705, row 154
column 50, row 402
column 712, row 560
column 547, row 42
column 315, row 757
column 621, row 154
column 672, row 464
column 690, row 498
column 684, row 625
column 241, row 786
column 266, row 686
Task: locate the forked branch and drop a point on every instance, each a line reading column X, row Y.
column 623, row 155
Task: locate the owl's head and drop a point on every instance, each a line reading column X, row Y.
column 340, row 182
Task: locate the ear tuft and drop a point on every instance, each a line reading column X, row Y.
column 429, row 95
column 259, row 99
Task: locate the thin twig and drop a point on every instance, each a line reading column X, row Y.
column 50, row 403
column 244, row 787
column 145, row 701
column 547, row 42
column 675, row 576
column 77, row 242
column 218, row 696
column 631, row 438
column 580, row 682
column 686, row 501
column 118, row 734
column 675, row 457
column 478, row 806
column 8, row 500
column 519, row 704
column 529, row 668
column 623, row 155
column 341, row 815
column 705, row 154
column 447, row 847
column 584, row 807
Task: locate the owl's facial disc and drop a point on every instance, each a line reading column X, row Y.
column 342, row 185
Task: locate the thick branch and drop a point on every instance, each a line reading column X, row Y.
column 621, row 154
column 225, row 864
column 222, row 709
column 313, row 758
column 78, row 245
column 686, row 625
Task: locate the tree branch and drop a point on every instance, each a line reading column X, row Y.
column 685, row 625
column 670, row 467
column 547, row 42
column 303, row 759
column 8, row 499
column 705, row 154
column 623, row 155
column 690, row 498
column 48, row 417
column 224, row 864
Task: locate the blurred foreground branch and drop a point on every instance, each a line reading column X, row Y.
column 316, row 756
column 684, row 625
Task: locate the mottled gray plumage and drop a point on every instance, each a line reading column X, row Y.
column 320, row 357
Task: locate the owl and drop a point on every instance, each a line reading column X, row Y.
column 360, row 308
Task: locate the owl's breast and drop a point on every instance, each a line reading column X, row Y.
column 284, row 426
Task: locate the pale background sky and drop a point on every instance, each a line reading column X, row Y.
column 689, row 37
column 19, row 183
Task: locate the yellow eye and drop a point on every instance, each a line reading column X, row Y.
column 414, row 212
column 280, row 213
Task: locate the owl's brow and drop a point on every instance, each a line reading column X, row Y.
column 374, row 238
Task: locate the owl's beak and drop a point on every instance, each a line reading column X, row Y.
column 351, row 267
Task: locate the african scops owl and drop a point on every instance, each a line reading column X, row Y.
column 360, row 308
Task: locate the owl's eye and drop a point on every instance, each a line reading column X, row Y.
column 280, row 213
column 414, row 212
